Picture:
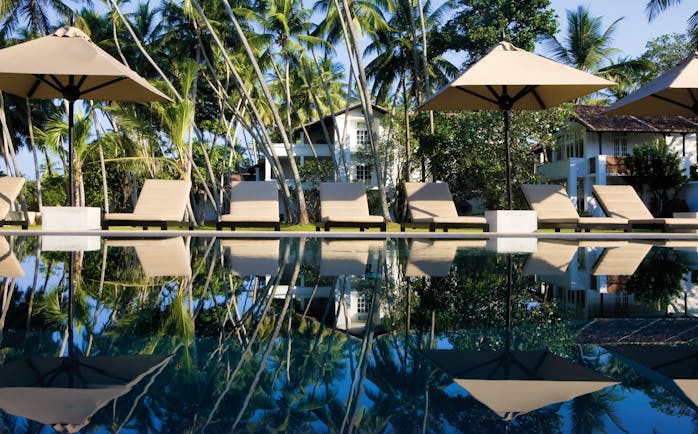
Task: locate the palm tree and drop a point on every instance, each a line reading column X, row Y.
column 585, row 46
column 35, row 13
column 655, row 7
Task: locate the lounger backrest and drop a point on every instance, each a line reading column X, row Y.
column 163, row 197
column 9, row 265
column 254, row 199
column 10, row 187
column 549, row 201
column 343, row 199
column 253, row 257
column 159, row 257
column 346, row 257
column 429, row 199
column 621, row 201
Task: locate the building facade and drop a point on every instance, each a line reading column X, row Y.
column 592, row 148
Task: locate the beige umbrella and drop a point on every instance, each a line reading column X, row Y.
column 674, row 93
column 507, row 78
column 65, row 392
column 68, row 65
column 511, row 383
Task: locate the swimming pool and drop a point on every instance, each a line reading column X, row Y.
column 197, row 334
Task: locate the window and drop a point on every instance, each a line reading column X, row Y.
column 361, row 305
column 361, row 134
column 620, row 145
column 571, row 144
column 363, row 172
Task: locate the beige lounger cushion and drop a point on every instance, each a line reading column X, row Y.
column 602, row 220
column 159, row 199
column 10, row 187
column 551, row 258
column 160, row 257
column 253, row 201
column 432, row 202
column 622, row 201
column 621, row 261
column 253, row 257
column 550, row 202
column 9, row 265
column 429, row 200
column 346, row 257
column 345, row 203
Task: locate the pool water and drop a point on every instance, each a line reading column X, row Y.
column 196, row 334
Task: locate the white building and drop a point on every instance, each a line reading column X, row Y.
column 592, row 148
column 349, row 134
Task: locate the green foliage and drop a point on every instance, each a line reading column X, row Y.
column 663, row 53
column 657, row 280
column 467, row 151
column 656, row 171
column 53, row 191
column 479, row 24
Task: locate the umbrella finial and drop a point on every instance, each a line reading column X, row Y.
column 70, row 32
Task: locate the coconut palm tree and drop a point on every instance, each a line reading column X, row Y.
column 586, row 45
column 35, row 14
column 655, row 7
column 589, row 47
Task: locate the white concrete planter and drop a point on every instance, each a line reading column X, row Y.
column 70, row 243
column 67, row 218
column 512, row 245
column 512, row 221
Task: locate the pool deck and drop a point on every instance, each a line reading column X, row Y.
column 648, row 236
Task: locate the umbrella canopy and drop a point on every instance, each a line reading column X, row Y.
column 673, row 367
column 507, row 78
column 65, row 392
column 674, row 93
column 516, row 382
column 66, row 64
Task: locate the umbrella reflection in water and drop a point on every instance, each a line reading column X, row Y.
column 511, row 382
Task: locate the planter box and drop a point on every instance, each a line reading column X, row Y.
column 66, row 218
column 512, row 221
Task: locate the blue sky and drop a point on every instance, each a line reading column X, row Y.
column 633, row 31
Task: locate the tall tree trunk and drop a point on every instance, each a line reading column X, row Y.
column 355, row 53
column 303, row 211
column 35, row 155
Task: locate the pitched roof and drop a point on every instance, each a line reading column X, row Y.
column 328, row 119
column 593, row 118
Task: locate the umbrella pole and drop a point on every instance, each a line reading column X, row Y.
column 506, row 145
column 71, row 197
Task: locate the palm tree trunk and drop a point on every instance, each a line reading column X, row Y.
column 353, row 47
column 303, row 210
column 35, row 155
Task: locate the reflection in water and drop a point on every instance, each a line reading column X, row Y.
column 512, row 383
column 307, row 335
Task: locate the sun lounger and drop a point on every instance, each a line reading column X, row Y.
column 552, row 258
column 622, row 260
column 10, row 187
column 430, row 204
column 9, row 264
column 555, row 210
column 622, row 201
column 252, row 204
column 346, row 257
column 160, row 202
column 434, row 257
column 258, row 257
column 346, row 205
column 158, row 257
